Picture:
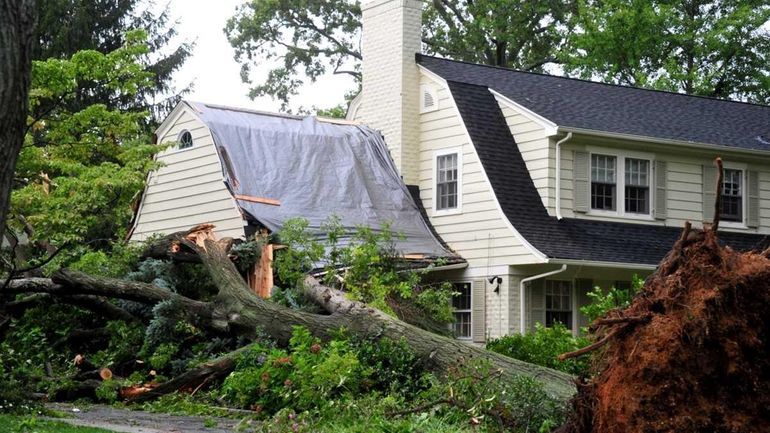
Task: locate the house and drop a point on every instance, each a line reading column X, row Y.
column 549, row 186
column 544, row 186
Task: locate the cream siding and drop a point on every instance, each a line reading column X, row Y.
column 535, row 149
column 684, row 183
column 479, row 232
column 189, row 188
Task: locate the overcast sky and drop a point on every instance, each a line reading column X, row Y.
column 216, row 75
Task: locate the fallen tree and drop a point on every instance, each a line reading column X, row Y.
column 236, row 310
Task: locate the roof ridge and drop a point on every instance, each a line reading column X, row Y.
column 583, row 80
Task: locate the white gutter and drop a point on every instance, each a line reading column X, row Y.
column 522, row 321
column 614, row 265
column 558, row 173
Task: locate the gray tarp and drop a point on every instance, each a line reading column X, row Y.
column 315, row 169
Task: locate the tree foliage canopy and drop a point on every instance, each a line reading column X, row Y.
column 710, row 48
column 68, row 26
column 79, row 169
column 311, row 38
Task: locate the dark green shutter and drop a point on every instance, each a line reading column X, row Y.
column 661, row 203
column 582, row 287
column 752, row 205
column 478, row 311
column 580, row 181
column 536, row 300
column 709, row 192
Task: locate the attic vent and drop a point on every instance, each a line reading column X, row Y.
column 428, row 99
column 185, row 139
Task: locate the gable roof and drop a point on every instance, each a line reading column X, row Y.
column 279, row 167
column 569, row 238
column 585, row 105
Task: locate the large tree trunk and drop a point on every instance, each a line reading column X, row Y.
column 237, row 310
column 17, row 25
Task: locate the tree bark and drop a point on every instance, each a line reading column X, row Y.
column 17, row 27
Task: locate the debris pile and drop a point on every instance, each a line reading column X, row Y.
column 692, row 351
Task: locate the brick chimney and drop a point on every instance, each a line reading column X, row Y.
column 390, row 88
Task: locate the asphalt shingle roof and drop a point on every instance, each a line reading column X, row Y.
column 573, row 103
column 569, row 238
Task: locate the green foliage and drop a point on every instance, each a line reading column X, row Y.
column 602, row 303
column 124, row 342
column 368, row 268
column 306, row 39
column 709, row 48
column 542, row 347
column 313, row 376
column 80, row 168
column 107, row 391
column 163, row 355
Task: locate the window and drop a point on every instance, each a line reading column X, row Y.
column 618, row 179
column 461, row 303
column 447, row 181
column 637, row 186
column 623, row 285
column 558, row 303
column 185, row 139
column 603, row 182
column 732, row 196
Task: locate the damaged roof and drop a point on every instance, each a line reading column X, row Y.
column 280, row 167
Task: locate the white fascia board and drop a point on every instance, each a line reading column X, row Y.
column 531, row 248
column 613, row 265
column 172, row 118
column 432, row 75
column 648, row 139
column 551, row 128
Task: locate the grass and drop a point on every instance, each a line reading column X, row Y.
column 30, row 424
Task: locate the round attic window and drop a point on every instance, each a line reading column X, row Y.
column 185, row 139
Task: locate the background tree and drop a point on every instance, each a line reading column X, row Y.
column 69, row 26
column 710, row 48
column 312, row 38
column 81, row 167
column 17, row 23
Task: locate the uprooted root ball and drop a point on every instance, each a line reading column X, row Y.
column 699, row 362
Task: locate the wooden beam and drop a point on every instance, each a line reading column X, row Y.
column 263, row 200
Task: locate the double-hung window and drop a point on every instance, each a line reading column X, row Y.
column 447, row 182
column 461, row 304
column 620, row 185
column 558, row 303
column 732, row 196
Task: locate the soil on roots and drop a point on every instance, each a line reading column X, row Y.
column 699, row 362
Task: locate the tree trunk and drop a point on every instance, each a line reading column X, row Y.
column 237, row 310
column 17, row 25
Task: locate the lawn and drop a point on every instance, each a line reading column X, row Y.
column 28, row 424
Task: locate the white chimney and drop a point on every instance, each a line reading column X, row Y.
column 390, row 88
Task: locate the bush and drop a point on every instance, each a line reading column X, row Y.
column 542, row 348
column 614, row 299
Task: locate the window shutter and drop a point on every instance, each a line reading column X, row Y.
column 582, row 287
column 536, row 301
column 709, row 192
column 478, row 310
column 580, row 181
column 752, row 205
column 660, row 190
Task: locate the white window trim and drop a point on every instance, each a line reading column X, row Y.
column 469, row 311
column 620, row 184
column 572, row 301
column 459, row 208
column 430, row 89
column 744, row 195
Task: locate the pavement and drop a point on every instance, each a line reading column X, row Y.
column 132, row 421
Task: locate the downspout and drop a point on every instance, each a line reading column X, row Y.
column 522, row 322
column 558, row 173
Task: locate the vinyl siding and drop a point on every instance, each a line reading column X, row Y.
column 684, row 185
column 534, row 146
column 189, row 188
column 478, row 233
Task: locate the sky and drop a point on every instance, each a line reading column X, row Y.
column 216, row 75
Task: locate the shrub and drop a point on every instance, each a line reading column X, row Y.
column 542, row 348
column 614, row 298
